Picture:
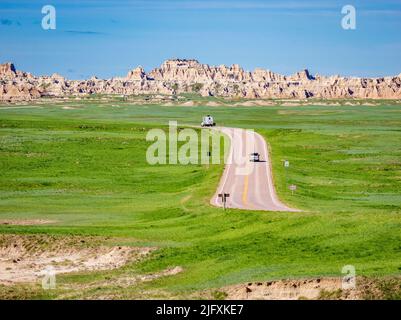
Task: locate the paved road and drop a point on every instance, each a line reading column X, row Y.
column 250, row 184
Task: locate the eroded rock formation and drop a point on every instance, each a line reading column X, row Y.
column 180, row 76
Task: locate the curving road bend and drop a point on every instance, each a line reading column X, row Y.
column 250, row 184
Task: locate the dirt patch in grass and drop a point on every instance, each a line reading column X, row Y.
column 116, row 283
column 282, row 289
column 188, row 104
column 25, row 258
column 214, row 104
column 129, row 281
column 25, row 222
column 315, row 289
column 386, row 288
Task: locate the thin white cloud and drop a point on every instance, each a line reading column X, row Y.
column 377, row 12
column 276, row 5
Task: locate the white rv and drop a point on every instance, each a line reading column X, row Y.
column 208, row 121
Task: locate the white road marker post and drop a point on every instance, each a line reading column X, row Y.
column 286, row 164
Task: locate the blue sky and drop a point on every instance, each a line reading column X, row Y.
column 108, row 38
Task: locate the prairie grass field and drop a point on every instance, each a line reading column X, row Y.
column 84, row 168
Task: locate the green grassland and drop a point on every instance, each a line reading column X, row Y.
column 86, row 169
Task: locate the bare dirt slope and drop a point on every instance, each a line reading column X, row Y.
column 26, row 258
column 287, row 289
column 323, row 288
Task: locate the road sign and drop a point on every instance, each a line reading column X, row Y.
column 224, row 197
column 292, row 187
column 286, row 163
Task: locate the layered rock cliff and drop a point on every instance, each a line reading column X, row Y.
column 180, row 76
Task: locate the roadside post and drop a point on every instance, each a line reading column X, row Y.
column 286, row 164
column 224, row 197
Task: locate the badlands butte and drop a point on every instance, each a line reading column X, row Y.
column 189, row 76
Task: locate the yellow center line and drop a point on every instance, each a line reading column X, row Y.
column 245, row 193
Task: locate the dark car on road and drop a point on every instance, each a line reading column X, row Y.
column 254, row 157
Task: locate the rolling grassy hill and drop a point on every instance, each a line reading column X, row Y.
column 84, row 167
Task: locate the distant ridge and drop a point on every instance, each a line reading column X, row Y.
column 177, row 76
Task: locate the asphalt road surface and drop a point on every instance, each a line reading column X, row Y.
column 249, row 184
